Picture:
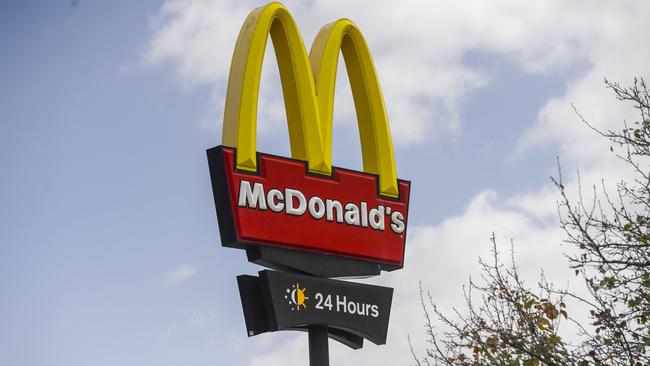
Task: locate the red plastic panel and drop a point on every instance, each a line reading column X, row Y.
column 263, row 215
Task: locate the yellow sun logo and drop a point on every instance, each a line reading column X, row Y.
column 297, row 296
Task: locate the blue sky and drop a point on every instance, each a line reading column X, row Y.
column 109, row 246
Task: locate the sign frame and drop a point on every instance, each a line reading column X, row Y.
column 326, row 258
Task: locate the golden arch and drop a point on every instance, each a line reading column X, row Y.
column 308, row 89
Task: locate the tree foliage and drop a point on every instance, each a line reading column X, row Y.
column 510, row 324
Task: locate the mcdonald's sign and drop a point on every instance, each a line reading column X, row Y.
column 304, row 203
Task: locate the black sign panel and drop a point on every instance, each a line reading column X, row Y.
column 296, row 301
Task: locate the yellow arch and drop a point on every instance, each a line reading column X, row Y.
column 308, row 87
column 240, row 115
column 374, row 130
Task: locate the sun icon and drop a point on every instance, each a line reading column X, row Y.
column 296, row 297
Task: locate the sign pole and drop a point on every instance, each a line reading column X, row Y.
column 318, row 346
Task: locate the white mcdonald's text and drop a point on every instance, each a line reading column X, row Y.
column 293, row 202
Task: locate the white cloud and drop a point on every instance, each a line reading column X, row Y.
column 608, row 36
column 197, row 37
column 419, row 48
column 179, row 274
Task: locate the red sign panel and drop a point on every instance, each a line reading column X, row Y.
column 283, row 205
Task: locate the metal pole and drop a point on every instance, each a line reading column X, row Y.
column 318, row 346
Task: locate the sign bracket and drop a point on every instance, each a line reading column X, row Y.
column 315, row 264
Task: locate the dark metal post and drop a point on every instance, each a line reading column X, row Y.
column 318, row 346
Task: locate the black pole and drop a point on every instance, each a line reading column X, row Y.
column 318, row 346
